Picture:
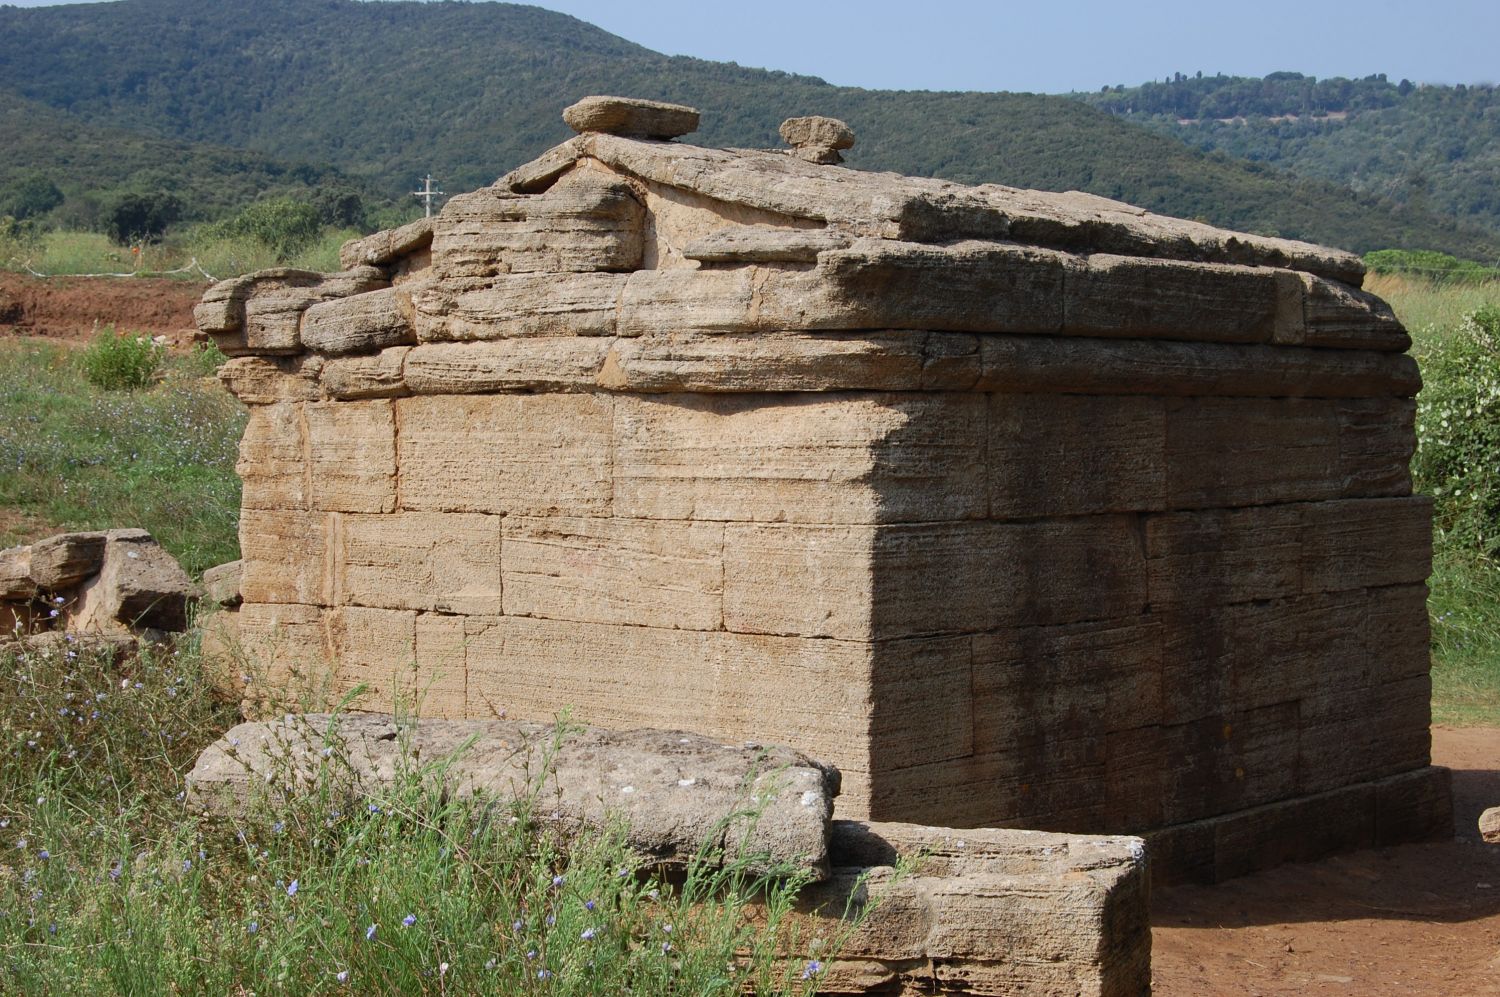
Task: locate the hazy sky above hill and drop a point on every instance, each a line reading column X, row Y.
column 1050, row 47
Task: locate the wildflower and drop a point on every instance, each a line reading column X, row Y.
column 342, row 976
column 370, row 933
column 187, row 864
column 114, row 873
column 408, row 920
column 252, row 927
column 666, row 947
column 291, row 890
column 588, row 934
column 374, row 809
column 278, row 827
column 530, row 954
column 44, row 855
column 544, row 974
column 589, row 906
column 551, row 920
column 667, row 928
column 442, row 968
column 557, row 881
column 813, row 968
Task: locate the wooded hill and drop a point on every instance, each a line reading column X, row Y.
column 1435, row 148
column 389, row 91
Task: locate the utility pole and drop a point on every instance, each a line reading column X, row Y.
column 427, row 194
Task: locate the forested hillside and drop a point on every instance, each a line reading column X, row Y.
column 389, row 91
column 1434, row 148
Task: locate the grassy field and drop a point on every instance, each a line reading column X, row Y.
column 190, row 254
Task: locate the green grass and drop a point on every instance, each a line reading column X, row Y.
column 62, row 253
column 110, row 883
column 160, row 458
column 1431, row 311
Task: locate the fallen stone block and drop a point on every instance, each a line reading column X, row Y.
column 138, row 585
column 67, row 559
column 984, row 911
column 15, row 574
column 674, row 789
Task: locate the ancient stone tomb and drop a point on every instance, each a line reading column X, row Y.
column 1023, row 509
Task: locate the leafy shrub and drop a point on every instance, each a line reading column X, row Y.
column 1458, row 433
column 117, row 362
column 281, row 225
column 29, row 197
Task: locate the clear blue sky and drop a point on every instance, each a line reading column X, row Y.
column 1050, row 47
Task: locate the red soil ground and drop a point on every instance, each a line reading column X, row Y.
column 1418, row 919
column 68, row 308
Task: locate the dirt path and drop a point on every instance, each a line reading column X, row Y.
column 1418, row 919
column 68, row 308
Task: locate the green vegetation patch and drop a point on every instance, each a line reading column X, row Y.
column 159, row 458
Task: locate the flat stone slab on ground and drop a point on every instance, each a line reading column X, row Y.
column 675, row 790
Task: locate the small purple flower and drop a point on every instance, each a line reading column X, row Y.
column 291, row 890
column 408, row 920
column 252, row 927
column 342, row 976
column 666, row 947
column 531, row 954
column 44, row 855
column 516, row 926
column 813, row 969
column 589, row 906
column 373, row 808
column 544, row 974
column 370, row 933
column 551, row 920
column 588, row 934
column 557, row 881
column 187, row 864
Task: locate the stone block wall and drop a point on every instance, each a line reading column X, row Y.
column 1023, row 510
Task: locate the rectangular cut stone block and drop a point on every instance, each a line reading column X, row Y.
column 1062, row 455
column 1232, row 452
column 1362, row 732
column 273, row 458
column 1271, row 552
column 518, row 305
column 1130, row 296
column 1078, row 365
column 1230, row 761
column 267, row 380
column 1398, row 635
column 1033, row 683
column 565, row 363
column 1259, row 654
column 869, row 583
column 351, row 456
column 286, row 555
column 1337, row 315
column 794, row 361
column 376, row 654
column 442, row 670
column 839, row 458
column 361, row 323
column 653, row 573
column 444, row 562
column 522, row 454
column 378, row 376
column 285, row 653
column 674, row 301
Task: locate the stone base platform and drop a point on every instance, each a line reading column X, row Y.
column 1410, row 807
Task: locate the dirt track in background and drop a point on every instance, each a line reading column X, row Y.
column 68, row 309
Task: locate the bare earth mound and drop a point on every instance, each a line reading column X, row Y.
column 67, row 308
column 1415, row 919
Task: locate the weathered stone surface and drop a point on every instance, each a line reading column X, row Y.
column 631, row 116
column 351, row 456
column 15, row 574
column 64, row 560
column 519, row 305
column 272, row 461
column 992, row 911
column 1233, row 452
column 877, row 582
column 1156, row 367
column 589, row 220
column 571, row 363
column 654, row 573
column 521, row 454
column 268, row 380
column 441, row 562
column 361, row 323
column 285, row 653
column 138, row 585
column 384, row 248
column 676, row 791
column 221, row 584
column 1126, row 296
column 792, row 361
column 380, row 376
column 1063, row 455
column 810, row 458
column 261, row 313
column 816, row 133
column 286, row 556
column 1337, row 315
column 739, row 244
